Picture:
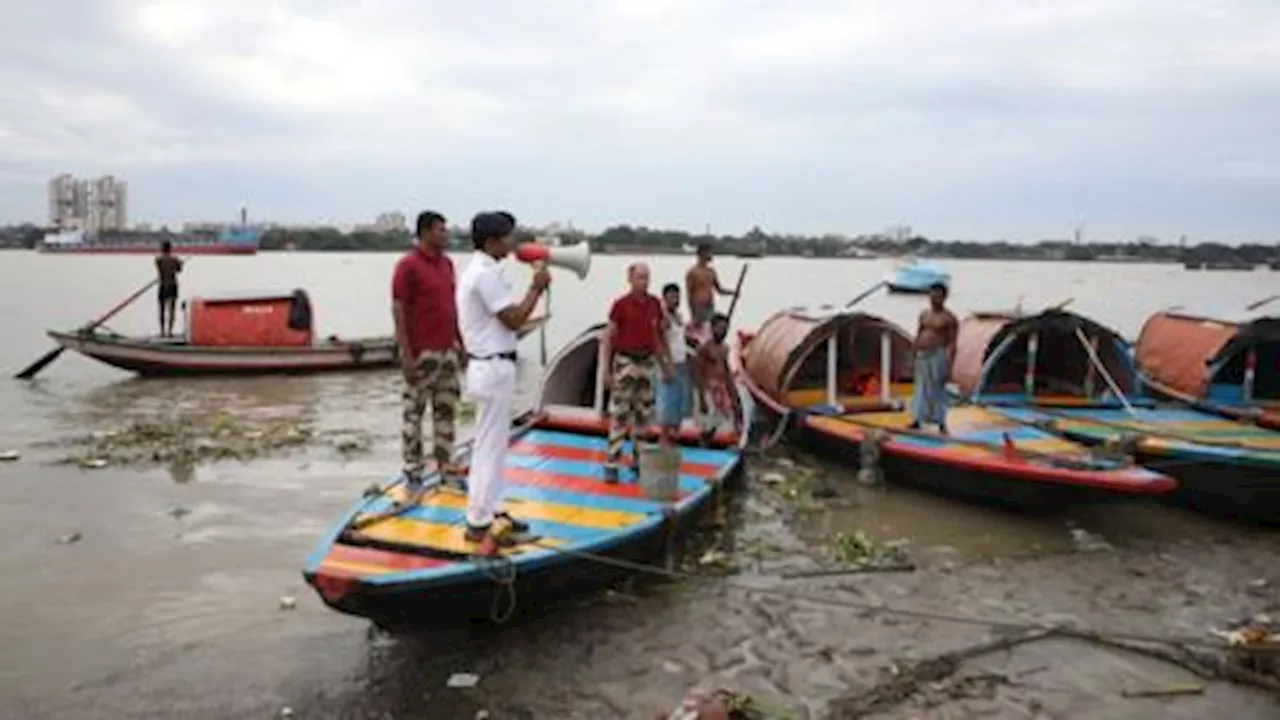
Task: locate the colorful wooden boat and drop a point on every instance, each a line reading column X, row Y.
column 1228, row 366
column 238, row 334
column 822, row 372
column 1068, row 374
column 415, row 567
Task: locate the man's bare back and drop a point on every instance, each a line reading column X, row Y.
column 937, row 329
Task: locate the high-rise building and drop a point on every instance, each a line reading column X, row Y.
column 62, row 202
column 100, row 204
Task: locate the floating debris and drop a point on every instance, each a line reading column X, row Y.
column 859, row 550
column 463, row 680
column 1084, row 541
column 70, row 538
column 10, row 455
column 288, row 603
column 189, row 441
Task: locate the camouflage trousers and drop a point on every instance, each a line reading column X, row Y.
column 436, row 383
column 631, row 402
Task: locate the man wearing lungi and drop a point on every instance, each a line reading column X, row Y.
column 935, row 353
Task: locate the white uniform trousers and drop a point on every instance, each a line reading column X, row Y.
column 493, row 384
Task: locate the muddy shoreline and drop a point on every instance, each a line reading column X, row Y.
column 212, row 641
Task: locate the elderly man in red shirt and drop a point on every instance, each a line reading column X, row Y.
column 632, row 350
column 431, row 350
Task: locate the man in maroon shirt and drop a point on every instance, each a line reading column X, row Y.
column 431, row 352
column 633, row 346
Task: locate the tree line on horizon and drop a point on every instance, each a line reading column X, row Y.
column 627, row 238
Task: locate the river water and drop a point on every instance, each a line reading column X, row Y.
column 168, row 603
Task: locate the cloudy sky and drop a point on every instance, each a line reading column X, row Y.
column 961, row 118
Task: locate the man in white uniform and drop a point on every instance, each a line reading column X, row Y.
column 488, row 320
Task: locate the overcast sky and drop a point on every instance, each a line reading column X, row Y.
column 961, row 118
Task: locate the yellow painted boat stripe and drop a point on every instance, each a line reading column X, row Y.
column 447, row 538
column 536, row 510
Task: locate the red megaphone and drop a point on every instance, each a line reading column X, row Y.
column 572, row 257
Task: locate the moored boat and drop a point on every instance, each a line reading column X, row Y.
column 235, row 334
column 843, row 380
column 1075, row 377
column 1228, row 366
column 415, row 568
column 916, row 277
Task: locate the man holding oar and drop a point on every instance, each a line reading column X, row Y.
column 431, row 349
column 167, row 268
column 702, row 284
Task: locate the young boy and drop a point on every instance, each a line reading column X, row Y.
column 713, row 382
column 673, row 392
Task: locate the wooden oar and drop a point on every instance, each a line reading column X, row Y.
column 737, row 290
column 52, row 355
column 1260, row 303
column 866, row 294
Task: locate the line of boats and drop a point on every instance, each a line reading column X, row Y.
column 1052, row 409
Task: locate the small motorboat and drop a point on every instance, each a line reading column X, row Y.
column 1070, row 375
column 842, row 380
column 238, row 334
column 413, row 567
column 916, row 277
column 1228, row 366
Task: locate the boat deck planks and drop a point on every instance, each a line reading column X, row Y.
column 1214, row 433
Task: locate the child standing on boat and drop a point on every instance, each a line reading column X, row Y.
column 713, row 382
column 935, row 353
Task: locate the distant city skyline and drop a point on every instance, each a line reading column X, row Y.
column 963, row 119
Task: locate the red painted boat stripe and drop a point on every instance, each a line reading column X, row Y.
column 561, row 452
column 584, row 485
column 372, row 556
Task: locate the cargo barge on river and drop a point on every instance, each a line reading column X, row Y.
column 235, row 240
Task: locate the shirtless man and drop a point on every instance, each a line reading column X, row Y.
column 167, row 267
column 701, row 286
column 935, row 353
column 713, row 383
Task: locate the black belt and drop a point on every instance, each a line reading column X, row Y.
column 495, row 356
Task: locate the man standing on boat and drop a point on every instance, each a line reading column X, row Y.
column 702, row 284
column 935, row 354
column 489, row 321
column 167, row 267
column 633, row 349
column 426, row 323
column 674, row 392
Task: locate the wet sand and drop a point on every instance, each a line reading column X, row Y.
column 157, row 613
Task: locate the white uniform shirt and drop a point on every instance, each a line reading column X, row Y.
column 482, row 293
column 675, row 337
